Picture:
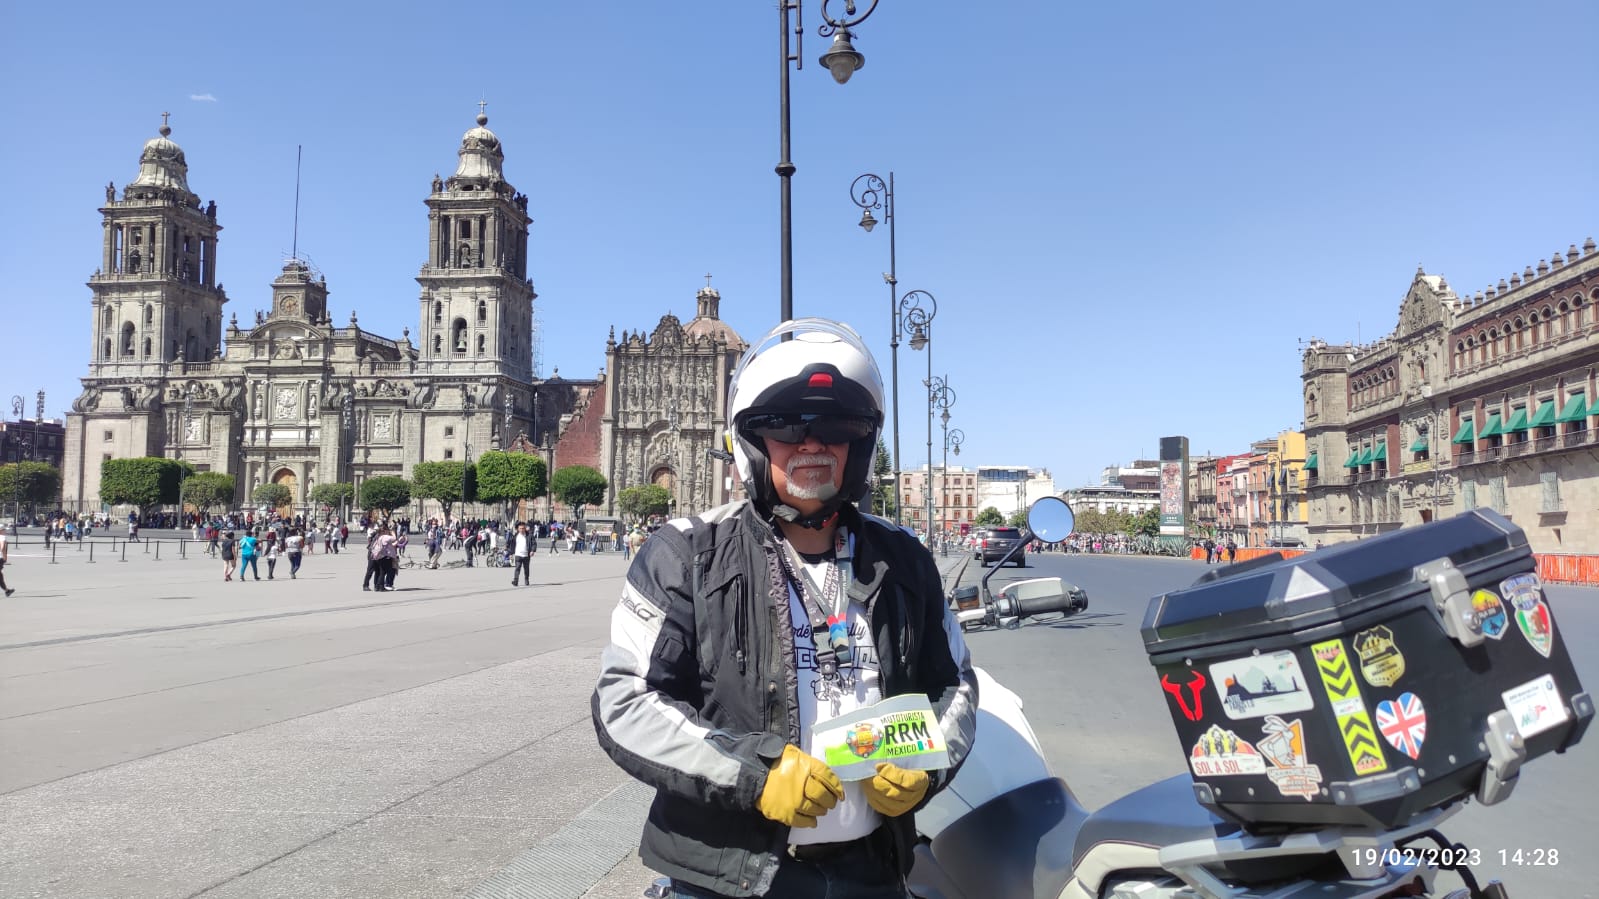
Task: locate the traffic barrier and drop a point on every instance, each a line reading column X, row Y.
column 1566, row 568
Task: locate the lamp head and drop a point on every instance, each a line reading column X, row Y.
column 918, row 337
column 842, row 59
column 867, row 222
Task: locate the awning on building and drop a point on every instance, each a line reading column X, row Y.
column 1576, row 409
column 1354, row 458
column 1365, row 457
column 1312, row 462
column 1518, row 421
column 1544, row 417
column 1493, row 427
column 1420, row 446
column 1381, row 452
column 1465, row 434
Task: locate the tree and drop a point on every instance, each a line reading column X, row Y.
column 334, row 496
column 272, row 495
column 1017, row 519
column 385, row 493
column 208, row 489
column 31, row 482
column 504, row 477
column 141, row 482
column 578, row 486
column 448, row 482
column 988, row 517
column 883, row 482
column 1146, row 523
column 643, row 501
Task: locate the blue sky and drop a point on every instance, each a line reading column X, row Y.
column 1130, row 213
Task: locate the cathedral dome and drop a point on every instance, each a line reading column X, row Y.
column 480, row 154
column 707, row 321
column 161, row 164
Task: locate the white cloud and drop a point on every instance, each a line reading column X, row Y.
column 205, row 98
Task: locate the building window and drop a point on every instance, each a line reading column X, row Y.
column 449, row 430
column 1496, row 494
column 438, row 344
column 109, row 436
column 438, row 312
column 460, row 336
column 449, row 454
column 1550, row 481
column 482, row 311
column 482, row 343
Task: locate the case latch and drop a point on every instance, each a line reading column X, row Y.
column 1451, row 601
column 1506, row 751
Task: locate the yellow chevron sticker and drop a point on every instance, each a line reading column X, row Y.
column 1354, row 724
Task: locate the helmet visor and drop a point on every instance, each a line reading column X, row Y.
column 793, row 427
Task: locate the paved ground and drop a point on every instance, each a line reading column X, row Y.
column 165, row 734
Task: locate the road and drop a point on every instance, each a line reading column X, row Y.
column 165, row 734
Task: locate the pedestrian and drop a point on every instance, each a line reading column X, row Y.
column 1232, row 550
column 226, row 548
column 293, row 546
column 247, row 555
column 743, row 804
column 520, row 553
column 271, row 556
column 388, row 549
column 5, row 556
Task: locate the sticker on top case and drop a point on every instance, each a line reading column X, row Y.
column 1532, row 614
column 1268, row 684
column 1488, row 614
column 1381, row 662
column 1221, row 752
column 1536, row 705
column 1284, row 746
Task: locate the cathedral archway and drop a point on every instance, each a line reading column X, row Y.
column 665, row 478
column 289, row 479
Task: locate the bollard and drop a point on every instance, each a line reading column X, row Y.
column 52, row 554
column 183, row 549
column 124, row 551
column 158, row 551
column 91, row 554
column 146, row 544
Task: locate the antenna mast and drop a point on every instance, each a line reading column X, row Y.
column 295, row 252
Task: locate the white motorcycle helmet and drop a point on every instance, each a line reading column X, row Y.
column 824, row 376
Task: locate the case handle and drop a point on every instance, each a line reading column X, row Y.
column 1451, row 601
column 1506, row 751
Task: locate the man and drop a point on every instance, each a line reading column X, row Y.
column 5, row 556
column 519, row 555
column 293, row 545
column 717, row 668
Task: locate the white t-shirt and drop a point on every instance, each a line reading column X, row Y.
column 521, row 544
column 852, row 818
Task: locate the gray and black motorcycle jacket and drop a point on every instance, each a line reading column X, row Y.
column 698, row 691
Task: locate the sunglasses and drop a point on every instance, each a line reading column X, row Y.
column 794, row 427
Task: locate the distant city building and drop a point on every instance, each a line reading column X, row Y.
column 33, row 440
column 1133, row 488
column 953, row 494
column 1486, row 399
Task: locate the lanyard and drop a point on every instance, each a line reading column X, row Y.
column 827, row 607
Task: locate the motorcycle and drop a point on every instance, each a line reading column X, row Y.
column 977, row 607
column 1008, row 828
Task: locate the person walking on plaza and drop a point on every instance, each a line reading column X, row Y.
column 740, row 629
column 226, row 548
column 374, row 561
column 271, row 556
column 5, row 556
column 520, row 555
column 247, row 555
column 293, row 546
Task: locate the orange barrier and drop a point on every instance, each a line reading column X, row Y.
column 1561, row 568
column 1245, row 553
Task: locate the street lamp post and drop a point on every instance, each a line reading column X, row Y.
column 872, row 192
column 349, row 445
column 468, row 405
column 953, row 438
column 941, row 395
column 24, row 451
column 917, row 321
column 841, row 59
column 188, row 425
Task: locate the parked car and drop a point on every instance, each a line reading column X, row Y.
column 991, row 545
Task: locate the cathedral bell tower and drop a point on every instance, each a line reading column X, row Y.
column 155, row 297
column 477, row 300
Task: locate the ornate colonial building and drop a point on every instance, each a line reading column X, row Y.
column 290, row 397
column 665, row 407
column 1485, row 400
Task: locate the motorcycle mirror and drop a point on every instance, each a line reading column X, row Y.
column 1051, row 519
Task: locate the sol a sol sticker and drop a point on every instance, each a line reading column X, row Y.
column 1291, row 770
column 1535, row 705
column 1220, row 753
column 1381, row 662
column 1532, row 613
column 1267, row 684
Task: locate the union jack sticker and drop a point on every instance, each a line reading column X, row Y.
column 1403, row 723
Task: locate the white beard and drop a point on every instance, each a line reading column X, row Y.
column 823, row 488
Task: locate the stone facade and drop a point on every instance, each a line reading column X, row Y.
column 1483, row 400
column 291, row 398
column 665, row 408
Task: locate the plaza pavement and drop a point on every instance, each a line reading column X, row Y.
column 163, row 733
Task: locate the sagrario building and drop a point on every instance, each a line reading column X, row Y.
column 1484, row 400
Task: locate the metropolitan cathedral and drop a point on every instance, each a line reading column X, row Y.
column 290, row 397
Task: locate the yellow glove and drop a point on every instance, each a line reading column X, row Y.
column 799, row 789
column 895, row 790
